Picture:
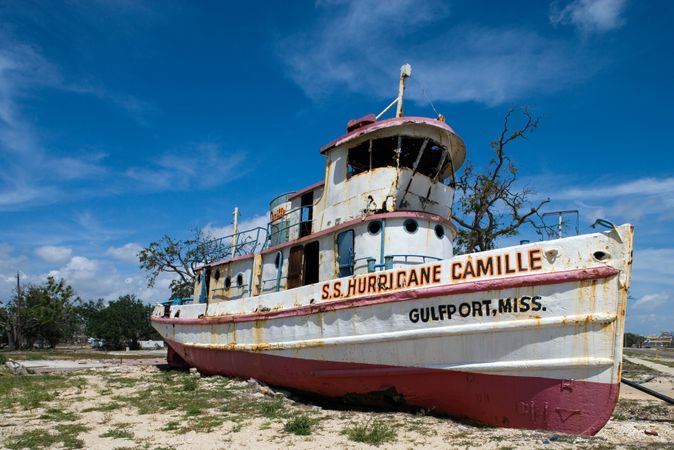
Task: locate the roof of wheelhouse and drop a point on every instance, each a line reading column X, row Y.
column 457, row 148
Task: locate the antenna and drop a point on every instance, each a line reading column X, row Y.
column 560, row 219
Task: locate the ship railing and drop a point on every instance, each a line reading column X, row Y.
column 239, row 244
column 389, row 260
column 273, row 283
column 278, row 230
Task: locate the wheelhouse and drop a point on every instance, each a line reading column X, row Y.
column 388, row 188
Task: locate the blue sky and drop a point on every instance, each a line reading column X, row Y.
column 123, row 121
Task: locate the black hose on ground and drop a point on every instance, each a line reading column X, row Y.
column 648, row 391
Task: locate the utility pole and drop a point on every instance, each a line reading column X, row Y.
column 18, row 326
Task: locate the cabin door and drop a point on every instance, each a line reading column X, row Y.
column 311, row 263
column 295, row 267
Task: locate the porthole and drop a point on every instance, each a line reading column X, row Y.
column 374, row 227
column 439, row 231
column 277, row 260
column 228, row 283
column 239, row 280
column 411, row 225
column 216, row 275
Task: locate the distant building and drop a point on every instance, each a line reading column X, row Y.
column 663, row 341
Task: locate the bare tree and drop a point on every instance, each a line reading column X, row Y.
column 490, row 204
column 177, row 257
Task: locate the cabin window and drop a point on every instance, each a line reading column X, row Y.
column 216, row 275
column 374, row 227
column 424, row 156
column 439, row 231
column 228, row 283
column 307, row 215
column 278, row 262
column 345, row 253
column 411, row 226
column 358, row 159
column 239, row 280
column 205, row 285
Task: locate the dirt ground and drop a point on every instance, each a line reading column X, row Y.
column 135, row 403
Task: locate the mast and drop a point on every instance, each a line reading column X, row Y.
column 235, row 230
column 405, row 72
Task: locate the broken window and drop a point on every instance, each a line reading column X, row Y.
column 416, row 153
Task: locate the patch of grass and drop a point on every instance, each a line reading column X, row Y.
column 171, row 426
column 59, row 415
column 68, row 435
column 118, row 432
column 202, row 424
column 301, row 425
column 273, row 409
column 31, row 391
column 374, row 432
column 190, row 384
column 105, row 407
column 122, row 381
column 33, row 439
column 238, row 425
column 3, row 359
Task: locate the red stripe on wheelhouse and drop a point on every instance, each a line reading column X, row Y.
column 409, row 294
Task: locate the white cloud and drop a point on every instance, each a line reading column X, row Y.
column 589, row 16
column 651, row 301
column 203, row 166
column 630, row 200
column 244, row 225
column 54, row 254
column 127, row 252
column 30, row 173
column 640, row 186
column 79, row 268
column 362, row 45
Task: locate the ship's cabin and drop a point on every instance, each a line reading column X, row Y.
column 385, row 202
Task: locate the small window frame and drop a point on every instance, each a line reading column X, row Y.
column 376, row 223
column 412, row 222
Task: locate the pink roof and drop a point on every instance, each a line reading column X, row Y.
column 385, row 124
column 305, row 190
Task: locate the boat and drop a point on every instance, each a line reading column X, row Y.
column 352, row 292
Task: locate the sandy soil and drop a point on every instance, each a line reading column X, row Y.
column 98, row 403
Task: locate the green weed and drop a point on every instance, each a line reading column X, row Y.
column 119, row 432
column 33, row 439
column 59, row 415
column 301, row 425
column 374, row 432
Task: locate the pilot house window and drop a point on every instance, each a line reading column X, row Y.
column 423, row 155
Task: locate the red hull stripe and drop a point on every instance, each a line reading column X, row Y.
column 569, row 406
column 410, row 294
